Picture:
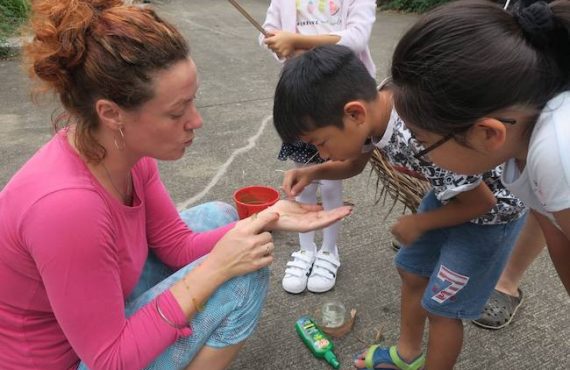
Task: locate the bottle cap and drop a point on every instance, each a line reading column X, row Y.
column 332, row 360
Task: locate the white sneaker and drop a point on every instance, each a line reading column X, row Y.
column 298, row 271
column 323, row 276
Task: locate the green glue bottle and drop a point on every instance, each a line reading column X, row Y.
column 319, row 344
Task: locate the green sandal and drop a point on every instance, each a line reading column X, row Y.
column 380, row 355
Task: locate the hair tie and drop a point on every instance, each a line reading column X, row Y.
column 536, row 20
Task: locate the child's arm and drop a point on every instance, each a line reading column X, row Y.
column 558, row 242
column 361, row 18
column 295, row 180
column 272, row 20
column 462, row 208
column 285, row 44
column 563, row 220
column 271, row 24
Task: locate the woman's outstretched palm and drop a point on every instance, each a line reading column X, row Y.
column 299, row 217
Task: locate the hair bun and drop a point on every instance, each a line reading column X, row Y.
column 100, row 5
column 60, row 41
column 536, row 20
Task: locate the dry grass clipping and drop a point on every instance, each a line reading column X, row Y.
column 400, row 187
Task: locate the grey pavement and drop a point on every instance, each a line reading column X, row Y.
column 238, row 146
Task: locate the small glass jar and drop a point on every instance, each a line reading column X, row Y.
column 333, row 314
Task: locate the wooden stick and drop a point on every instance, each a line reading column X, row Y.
column 248, row 17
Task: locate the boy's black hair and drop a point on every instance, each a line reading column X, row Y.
column 314, row 88
column 467, row 59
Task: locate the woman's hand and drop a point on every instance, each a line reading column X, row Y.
column 295, row 180
column 408, row 229
column 299, row 217
column 245, row 248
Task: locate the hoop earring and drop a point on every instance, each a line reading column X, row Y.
column 120, row 146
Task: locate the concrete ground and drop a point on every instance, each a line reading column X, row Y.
column 237, row 146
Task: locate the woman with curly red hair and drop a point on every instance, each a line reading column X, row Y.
column 89, row 237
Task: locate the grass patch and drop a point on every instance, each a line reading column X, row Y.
column 13, row 13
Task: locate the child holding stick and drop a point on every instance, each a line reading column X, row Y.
column 292, row 27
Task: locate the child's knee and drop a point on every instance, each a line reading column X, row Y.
column 435, row 319
column 413, row 281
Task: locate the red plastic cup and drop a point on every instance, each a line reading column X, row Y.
column 254, row 199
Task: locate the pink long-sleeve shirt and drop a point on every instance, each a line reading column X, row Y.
column 70, row 254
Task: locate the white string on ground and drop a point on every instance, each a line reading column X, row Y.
column 223, row 169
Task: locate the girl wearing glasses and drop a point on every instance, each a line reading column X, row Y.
column 478, row 62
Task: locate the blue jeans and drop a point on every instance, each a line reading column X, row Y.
column 463, row 263
column 230, row 314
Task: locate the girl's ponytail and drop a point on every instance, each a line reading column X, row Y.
column 536, row 20
column 547, row 28
column 561, row 13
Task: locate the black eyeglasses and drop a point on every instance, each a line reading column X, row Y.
column 449, row 136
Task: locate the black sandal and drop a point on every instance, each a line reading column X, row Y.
column 499, row 310
column 395, row 245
